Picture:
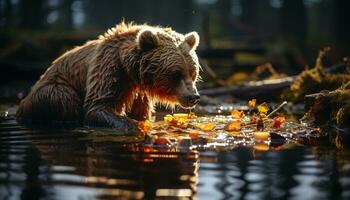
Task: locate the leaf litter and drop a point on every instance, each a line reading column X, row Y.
column 257, row 127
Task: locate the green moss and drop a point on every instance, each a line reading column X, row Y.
column 314, row 80
column 331, row 107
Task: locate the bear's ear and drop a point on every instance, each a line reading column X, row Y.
column 192, row 39
column 146, row 40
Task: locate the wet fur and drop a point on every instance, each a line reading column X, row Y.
column 107, row 79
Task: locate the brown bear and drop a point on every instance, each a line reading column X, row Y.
column 116, row 79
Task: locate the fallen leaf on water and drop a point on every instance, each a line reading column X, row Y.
column 179, row 120
column 168, row 119
column 231, row 133
column 233, row 126
column 192, row 115
column 236, row 114
column 251, row 103
column 278, row 121
column 145, row 126
column 193, row 134
column 180, row 115
column 261, row 135
column 205, row 126
column 263, row 108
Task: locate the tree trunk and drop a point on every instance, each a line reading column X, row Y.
column 32, row 14
column 341, row 22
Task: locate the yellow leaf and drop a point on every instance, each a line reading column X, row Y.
column 233, row 133
column 182, row 122
column 191, row 115
column 206, row 126
column 180, row 115
column 252, row 103
column 262, row 135
column 145, row 126
column 168, row 119
column 263, row 108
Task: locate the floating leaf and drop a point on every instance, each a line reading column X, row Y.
column 232, row 133
column 145, row 126
column 178, row 120
column 251, row 103
column 263, row 108
column 205, row 126
column 180, row 115
column 261, row 135
column 278, row 121
column 168, row 119
column 182, row 123
column 191, row 115
column 236, row 114
column 193, row 134
column 233, row 126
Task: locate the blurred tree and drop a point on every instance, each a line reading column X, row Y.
column 259, row 18
column 66, row 14
column 249, row 10
column 106, row 13
column 32, row 14
column 293, row 19
column 341, row 20
column 225, row 16
column 8, row 13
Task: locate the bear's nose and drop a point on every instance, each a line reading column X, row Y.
column 194, row 99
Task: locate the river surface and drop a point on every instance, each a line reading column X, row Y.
column 83, row 164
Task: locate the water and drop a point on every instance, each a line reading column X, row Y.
column 82, row 164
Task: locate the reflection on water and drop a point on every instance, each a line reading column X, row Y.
column 76, row 164
column 290, row 174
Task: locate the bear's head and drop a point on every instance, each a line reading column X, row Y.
column 169, row 66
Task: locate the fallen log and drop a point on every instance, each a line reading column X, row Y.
column 252, row 88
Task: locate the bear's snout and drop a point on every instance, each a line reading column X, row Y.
column 193, row 99
column 189, row 101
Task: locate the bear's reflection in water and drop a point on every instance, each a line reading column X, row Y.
column 116, row 166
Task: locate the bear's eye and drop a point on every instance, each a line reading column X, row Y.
column 176, row 76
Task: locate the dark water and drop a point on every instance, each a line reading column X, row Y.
column 82, row 164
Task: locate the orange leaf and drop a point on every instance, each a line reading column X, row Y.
column 234, row 126
column 145, row 126
column 236, row 114
column 193, row 134
column 278, row 121
column 261, row 135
